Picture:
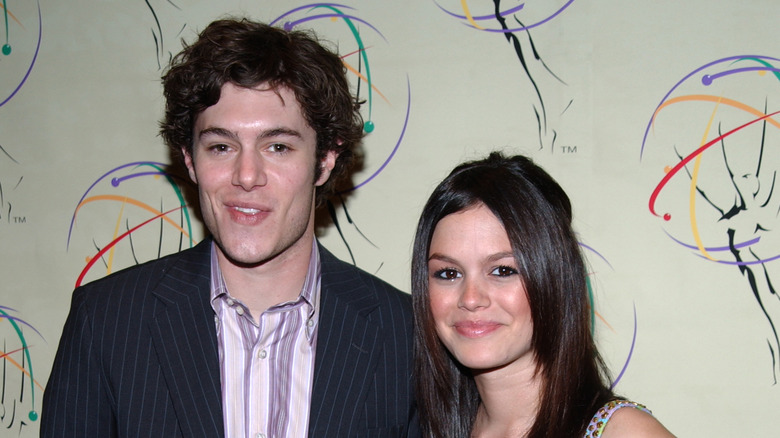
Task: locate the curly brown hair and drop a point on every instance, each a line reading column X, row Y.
column 247, row 54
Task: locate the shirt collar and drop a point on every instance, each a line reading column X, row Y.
column 310, row 293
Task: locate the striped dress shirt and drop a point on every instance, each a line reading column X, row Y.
column 267, row 367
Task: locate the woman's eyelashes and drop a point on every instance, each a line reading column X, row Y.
column 503, row 271
column 453, row 274
column 447, row 274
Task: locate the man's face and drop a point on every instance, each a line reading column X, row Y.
column 253, row 159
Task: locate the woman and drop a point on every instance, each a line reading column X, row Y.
column 503, row 343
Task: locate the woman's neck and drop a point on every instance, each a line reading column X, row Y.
column 510, row 402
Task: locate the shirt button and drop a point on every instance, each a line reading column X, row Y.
column 310, row 323
column 262, row 354
column 230, row 302
column 260, row 435
column 240, row 311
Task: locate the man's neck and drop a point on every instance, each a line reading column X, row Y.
column 272, row 282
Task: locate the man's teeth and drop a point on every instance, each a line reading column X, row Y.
column 247, row 210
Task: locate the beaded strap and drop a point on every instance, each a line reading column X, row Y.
column 599, row 421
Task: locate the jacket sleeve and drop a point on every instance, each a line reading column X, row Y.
column 77, row 401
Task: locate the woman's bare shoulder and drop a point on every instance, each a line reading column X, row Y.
column 634, row 423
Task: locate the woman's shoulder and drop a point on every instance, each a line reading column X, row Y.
column 622, row 418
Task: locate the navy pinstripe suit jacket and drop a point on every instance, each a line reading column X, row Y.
column 138, row 356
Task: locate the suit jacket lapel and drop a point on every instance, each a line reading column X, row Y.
column 185, row 340
column 347, row 350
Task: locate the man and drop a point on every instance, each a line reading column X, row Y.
column 257, row 331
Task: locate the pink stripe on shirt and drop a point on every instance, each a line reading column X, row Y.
column 267, row 368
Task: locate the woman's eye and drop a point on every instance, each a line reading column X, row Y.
column 447, row 274
column 504, row 271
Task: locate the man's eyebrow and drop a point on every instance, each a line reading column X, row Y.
column 279, row 132
column 270, row 133
column 218, row 132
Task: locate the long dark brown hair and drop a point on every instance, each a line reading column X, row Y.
column 248, row 54
column 536, row 214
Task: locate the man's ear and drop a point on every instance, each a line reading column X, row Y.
column 190, row 166
column 326, row 166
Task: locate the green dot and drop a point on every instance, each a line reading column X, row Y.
column 33, row 416
column 6, row 50
column 368, row 126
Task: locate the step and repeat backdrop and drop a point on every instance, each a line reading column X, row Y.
column 660, row 119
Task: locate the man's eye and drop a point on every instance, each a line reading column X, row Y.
column 278, row 147
column 219, row 148
column 447, row 274
column 504, row 271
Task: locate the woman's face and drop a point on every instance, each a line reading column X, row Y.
column 479, row 304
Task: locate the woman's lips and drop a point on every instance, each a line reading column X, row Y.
column 476, row 329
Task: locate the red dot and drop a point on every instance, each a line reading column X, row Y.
column 667, row 217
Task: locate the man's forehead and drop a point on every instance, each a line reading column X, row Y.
column 286, row 96
column 284, row 93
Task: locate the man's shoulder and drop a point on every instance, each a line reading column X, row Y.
column 129, row 280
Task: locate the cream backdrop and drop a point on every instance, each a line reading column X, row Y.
column 677, row 317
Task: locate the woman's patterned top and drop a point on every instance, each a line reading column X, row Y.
column 599, row 421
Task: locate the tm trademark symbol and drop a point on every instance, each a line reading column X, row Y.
column 20, row 219
column 569, row 149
